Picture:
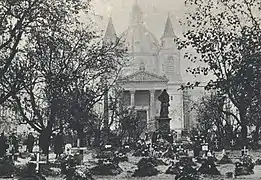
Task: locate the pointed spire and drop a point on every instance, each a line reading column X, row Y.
column 168, row 32
column 110, row 34
column 137, row 14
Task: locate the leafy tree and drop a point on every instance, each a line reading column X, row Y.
column 226, row 37
column 18, row 18
column 212, row 119
column 67, row 66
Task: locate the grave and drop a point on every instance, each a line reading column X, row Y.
column 78, row 152
column 245, row 165
column 36, row 151
column 6, row 167
column 225, row 159
column 183, row 170
column 106, row 152
column 33, row 168
column 146, row 167
column 107, row 168
column 208, row 167
column 175, row 168
column 169, row 153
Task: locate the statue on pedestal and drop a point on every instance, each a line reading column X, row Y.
column 164, row 99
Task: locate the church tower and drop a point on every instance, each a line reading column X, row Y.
column 110, row 34
column 170, row 54
column 109, row 37
column 170, row 67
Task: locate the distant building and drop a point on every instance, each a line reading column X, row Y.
column 154, row 65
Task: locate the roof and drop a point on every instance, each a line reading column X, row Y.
column 143, row 76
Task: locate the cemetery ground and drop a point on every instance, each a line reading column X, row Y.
column 130, row 166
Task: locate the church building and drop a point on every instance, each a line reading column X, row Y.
column 153, row 65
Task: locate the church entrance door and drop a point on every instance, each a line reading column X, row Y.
column 142, row 117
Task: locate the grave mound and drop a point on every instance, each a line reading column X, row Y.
column 7, row 168
column 258, row 162
column 225, row 160
column 30, row 173
column 121, row 157
column 208, row 167
column 146, row 167
column 32, row 177
column 154, row 161
column 174, row 169
column 244, row 166
column 183, row 171
column 107, row 168
column 79, row 173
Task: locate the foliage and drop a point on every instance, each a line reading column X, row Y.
column 63, row 68
column 71, row 171
column 19, row 19
column 130, row 125
column 226, row 37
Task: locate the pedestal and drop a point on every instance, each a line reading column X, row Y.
column 164, row 125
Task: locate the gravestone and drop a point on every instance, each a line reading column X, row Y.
column 225, row 159
column 79, row 152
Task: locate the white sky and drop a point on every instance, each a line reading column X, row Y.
column 155, row 13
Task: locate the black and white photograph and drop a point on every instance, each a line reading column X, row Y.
column 130, row 89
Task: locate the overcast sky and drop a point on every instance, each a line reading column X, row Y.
column 155, row 13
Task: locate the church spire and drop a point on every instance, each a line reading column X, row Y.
column 137, row 14
column 168, row 32
column 110, row 34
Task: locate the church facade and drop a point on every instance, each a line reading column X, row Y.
column 153, row 65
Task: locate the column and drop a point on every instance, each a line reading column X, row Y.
column 152, row 111
column 152, row 104
column 132, row 92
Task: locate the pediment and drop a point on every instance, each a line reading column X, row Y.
column 143, row 76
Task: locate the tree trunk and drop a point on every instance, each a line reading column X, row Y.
column 244, row 134
column 243, row 128
column 81, row 136
column 256, row 134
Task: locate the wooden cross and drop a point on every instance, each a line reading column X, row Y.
column 37, row 162
column 232, row 142
column 244, row 151
column 216, row 142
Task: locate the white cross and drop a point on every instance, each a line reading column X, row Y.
column 180, row 148
column 37, row 162
column 245, row 150
column 232, row 142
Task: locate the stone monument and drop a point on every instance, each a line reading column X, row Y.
column 164, row 120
